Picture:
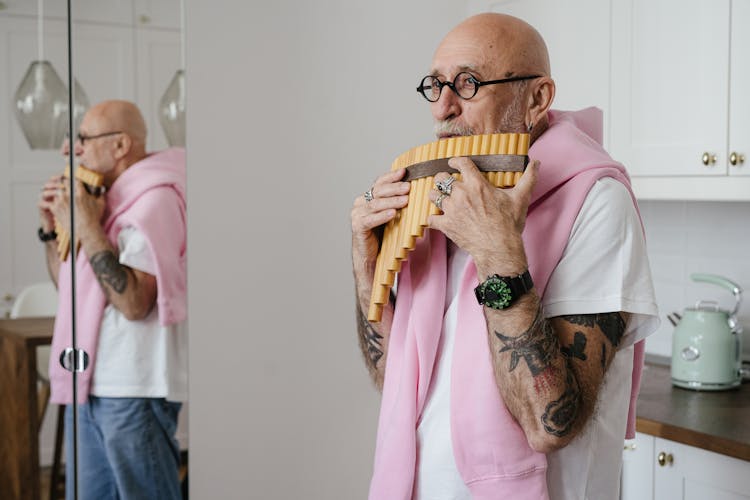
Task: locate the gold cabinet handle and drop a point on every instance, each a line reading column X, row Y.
column 3, row 6
column 736, row 158
column 665, row 459
column 8, row 297
column 709, row 159
column 144, row 19
column 629, row 447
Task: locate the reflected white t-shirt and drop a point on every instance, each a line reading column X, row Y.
column 139, row 358
column 604, row 268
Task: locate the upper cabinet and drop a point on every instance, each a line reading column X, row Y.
column 679, row 104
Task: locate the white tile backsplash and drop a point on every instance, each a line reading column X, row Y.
column 687, row 237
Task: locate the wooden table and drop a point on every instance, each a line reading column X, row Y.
column 19, row 424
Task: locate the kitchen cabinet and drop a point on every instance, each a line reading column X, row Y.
column 679, row 105
column 657, row 468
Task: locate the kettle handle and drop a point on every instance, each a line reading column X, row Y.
column 724, row 283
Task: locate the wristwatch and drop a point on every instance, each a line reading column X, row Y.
column 500, row 292
column 45, row 237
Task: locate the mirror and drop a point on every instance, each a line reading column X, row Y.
column 122, row 49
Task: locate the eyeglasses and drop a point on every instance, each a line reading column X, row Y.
column 465, row 85
column 83, row 138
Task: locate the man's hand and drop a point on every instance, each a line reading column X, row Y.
column 484, row 220
column 49, row 202
column 89, row 208
column 389, row 195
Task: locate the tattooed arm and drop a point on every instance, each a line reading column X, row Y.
column 549, row 372
column 131, row 291
column 368, row 217
column 373, row 337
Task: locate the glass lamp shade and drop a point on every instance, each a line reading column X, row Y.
column 42, row 106
column 172, row 110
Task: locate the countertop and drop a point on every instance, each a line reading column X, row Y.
column 715, row 421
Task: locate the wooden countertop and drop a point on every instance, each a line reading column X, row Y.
column 715, row 421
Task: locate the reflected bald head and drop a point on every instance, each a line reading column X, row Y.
column 123, row 116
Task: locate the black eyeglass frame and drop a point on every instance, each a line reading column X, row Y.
column 452, row 85
column 83, row 138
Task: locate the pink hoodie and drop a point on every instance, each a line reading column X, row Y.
column 150, row 196
column 490, row 448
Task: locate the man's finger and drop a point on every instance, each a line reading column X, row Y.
column 469, row 171
column 528, row 180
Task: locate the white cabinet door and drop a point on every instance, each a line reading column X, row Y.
column 739, row 108
column 637, row 482
column 158, row 56
column 689, row 473
column 577, row 37
column 670, row 81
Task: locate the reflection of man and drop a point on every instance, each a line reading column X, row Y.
column 130, row 296
column 484, row 399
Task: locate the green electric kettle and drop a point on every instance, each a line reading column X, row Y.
column 707, row 342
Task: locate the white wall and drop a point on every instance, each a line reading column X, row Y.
column 696, row 237
column 294, row 108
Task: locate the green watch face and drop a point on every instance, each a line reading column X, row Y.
column 497, row 294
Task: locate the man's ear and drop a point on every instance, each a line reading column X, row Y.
column 540, row 99
column 123, row 145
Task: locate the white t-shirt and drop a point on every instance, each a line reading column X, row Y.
column 139, row 358
column 604, row 268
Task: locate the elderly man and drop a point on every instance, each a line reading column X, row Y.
column 489, row 400
column 130, row 294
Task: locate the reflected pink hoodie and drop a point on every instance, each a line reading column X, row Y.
column 150, row 196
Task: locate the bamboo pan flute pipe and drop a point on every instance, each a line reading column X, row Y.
column 91, row 179
column 502, row 159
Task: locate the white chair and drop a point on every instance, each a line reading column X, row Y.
column 40, row 300
column 35, row 300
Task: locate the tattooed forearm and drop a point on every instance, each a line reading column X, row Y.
column 370, row 340
column 559, row 416
column 109, row 271
column 538, row 346
column 611, row 324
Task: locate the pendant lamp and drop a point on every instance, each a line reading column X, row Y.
column 41, row 101
column 172, row 103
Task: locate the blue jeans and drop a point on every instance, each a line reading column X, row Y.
column 126, row 449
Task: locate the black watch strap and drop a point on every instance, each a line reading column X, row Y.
column 500, row 292
column 45, row 237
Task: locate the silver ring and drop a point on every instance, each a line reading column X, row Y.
column 446, row 186
column 368, row 195
column 439, row 200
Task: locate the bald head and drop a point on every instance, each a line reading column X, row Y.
column 123, row 116
column 505, row 42
column 492, row 47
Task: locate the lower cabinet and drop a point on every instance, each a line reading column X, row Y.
column 660, row 469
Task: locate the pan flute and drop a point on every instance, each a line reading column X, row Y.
column 93, row 181
column 502, row 159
